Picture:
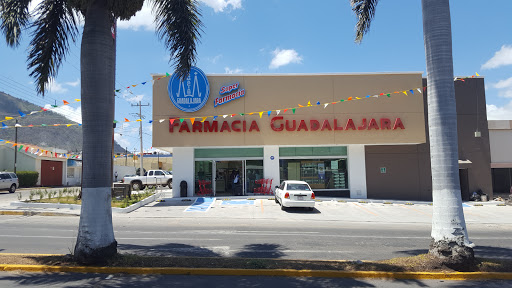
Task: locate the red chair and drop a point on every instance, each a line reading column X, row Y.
column 203, row 191
column 269, row 188
column 260, row 188
column 207, row 191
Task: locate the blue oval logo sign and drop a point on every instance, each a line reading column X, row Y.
column 192, row 94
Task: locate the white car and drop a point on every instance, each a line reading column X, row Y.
column 9, row 181
column 295, row 194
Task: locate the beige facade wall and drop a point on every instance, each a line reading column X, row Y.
column 271, row 92
column 500, row 133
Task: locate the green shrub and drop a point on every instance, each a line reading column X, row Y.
column 27, row 178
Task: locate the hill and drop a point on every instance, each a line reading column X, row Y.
column 67, row 138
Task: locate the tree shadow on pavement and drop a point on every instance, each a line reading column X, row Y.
column 480, row 252
column 70, row 280
column 261, row 251
column 169, row 249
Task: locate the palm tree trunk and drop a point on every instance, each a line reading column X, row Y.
column 95, row 239
column 449, row 235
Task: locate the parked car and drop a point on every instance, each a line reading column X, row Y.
column 295, row 194
column 150, row 178
column 9, row 181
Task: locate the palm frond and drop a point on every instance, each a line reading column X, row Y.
column 14, row 18
column 179, row 26
column 54, row 25
column 365, row 11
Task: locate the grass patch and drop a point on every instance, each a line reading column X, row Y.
column 71, row 196
column 420, row 263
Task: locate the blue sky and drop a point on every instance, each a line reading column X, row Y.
column 285, row 36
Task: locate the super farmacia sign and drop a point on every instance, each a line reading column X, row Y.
column 281, row 124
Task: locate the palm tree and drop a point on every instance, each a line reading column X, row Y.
column 54, row 23
column 450, row 240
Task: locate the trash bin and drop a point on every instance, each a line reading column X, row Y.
column 484, row 198
column 183, row 188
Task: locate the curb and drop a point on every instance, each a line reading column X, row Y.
column 77, row 207
column 264, row 272
column 33, row 213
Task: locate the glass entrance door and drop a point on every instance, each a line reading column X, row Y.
column 229, row 178
column 204, row 171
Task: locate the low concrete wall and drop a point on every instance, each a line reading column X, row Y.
column 128, row 209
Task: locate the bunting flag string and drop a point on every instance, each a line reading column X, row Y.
column 142, row 83
column 38, row 151
column 22, row 115
column 41, row 125
column 293, row 109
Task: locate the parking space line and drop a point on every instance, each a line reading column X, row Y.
column 421, row 212
column 261, row 205
column 365, row 209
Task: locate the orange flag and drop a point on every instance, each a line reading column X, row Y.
column 126, row 120
column 65, row 102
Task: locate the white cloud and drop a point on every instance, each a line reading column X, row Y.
column 499, row 113
column 501, row 58
column 227, row 70
column 284, row 57
column 55, row 87
column 220, row 5
column 143, row 19
column 135, row 98
column 74, row 114
column 216, row 58
column 505, row 87
column 121, row 140
column 73, row 84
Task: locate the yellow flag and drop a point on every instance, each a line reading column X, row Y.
column 476, row 74
column 204, row 118
column 138, row 120
column 261, row 113
column 78, row 100
column 69, row 125
column 309, row 103
column 8, row 118
column 405, row 92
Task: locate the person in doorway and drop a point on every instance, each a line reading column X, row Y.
column 115, row 174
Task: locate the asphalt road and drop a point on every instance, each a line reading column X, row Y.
column 98, row 280
column 259, row 238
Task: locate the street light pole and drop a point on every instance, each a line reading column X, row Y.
column 141, row 146
column 15, row 147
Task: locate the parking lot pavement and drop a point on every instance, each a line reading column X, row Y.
column 325, row 209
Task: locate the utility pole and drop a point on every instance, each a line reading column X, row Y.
column 15, row 147
column 141, row 146
column 126, row 159
column 133, row 157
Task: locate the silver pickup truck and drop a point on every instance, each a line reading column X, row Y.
column 151, row 178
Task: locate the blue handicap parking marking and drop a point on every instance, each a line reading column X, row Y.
column 466, row 205
column 201, row 205
column 238, row 202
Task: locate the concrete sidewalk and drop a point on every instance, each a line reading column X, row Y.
column 264, row 207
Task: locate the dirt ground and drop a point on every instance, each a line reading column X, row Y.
column 420, row 263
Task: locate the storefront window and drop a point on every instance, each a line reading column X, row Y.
column 318, row 173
